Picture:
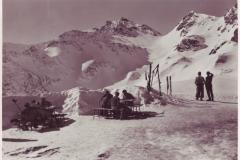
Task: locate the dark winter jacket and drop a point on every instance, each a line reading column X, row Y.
column 199, row 80
column 128, row 96
column 106, row 100
column 209, row 80
column 115, row 103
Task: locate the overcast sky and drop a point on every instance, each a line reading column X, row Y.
column 32, row 21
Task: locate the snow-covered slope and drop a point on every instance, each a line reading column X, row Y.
column 64, row 63
column 198, row 43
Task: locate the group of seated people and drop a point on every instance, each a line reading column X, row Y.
column 34, row 104
column 116, row 104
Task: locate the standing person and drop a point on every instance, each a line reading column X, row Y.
column 208, row 86
column 199, row 81
column 105, row 100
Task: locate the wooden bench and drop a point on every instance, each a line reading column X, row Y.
column 59, row 115
column 109, row 113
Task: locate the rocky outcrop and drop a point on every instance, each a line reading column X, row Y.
column 127, row 27
column 231, row 16
column 191, row 43
column 187, row 21
column 235, row 36
column 213, row 51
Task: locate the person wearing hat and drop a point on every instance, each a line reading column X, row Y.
column 199, row 81
column 208, row 86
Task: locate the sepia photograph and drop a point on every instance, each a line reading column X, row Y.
column 119, row 79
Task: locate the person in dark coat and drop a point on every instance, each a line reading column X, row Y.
column 105, row 100
column 116, row 105
column 119, row 109
column 208, row 86
column 35, row 104
column 27, row 105
column 199, row 81
column 128, row 98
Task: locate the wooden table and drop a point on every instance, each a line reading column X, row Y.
column 136, row 107
column 108, row 113
column 104, row 112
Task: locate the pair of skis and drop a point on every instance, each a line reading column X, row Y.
column 169, row 85
column 155, row 72
column 149, row 77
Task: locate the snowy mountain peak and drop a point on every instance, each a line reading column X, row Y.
column 126, row 27
column 193, row 19
column 126, row 22
column 187, row 20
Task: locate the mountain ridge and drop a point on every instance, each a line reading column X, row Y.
column 61, row 60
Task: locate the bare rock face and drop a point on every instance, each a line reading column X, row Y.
column 187, row 22
column 127, row 27
column 235, row 36
column 191, row 43
column 222, row 59
column 213, row 51
column 231, row 16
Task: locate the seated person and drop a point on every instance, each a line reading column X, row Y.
column 105, row 101
column 27, row 105
column 128, row 98
column 35, row 104
column 118, row 107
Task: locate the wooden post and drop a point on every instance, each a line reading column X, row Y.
column 149, row 87
column 156, row 72
column 152, row 77
column 159, row 82
column 170, row 85
column 167, row 84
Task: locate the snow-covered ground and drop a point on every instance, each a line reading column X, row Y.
column 185, row 129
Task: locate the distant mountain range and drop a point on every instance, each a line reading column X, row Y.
column 103, row 56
